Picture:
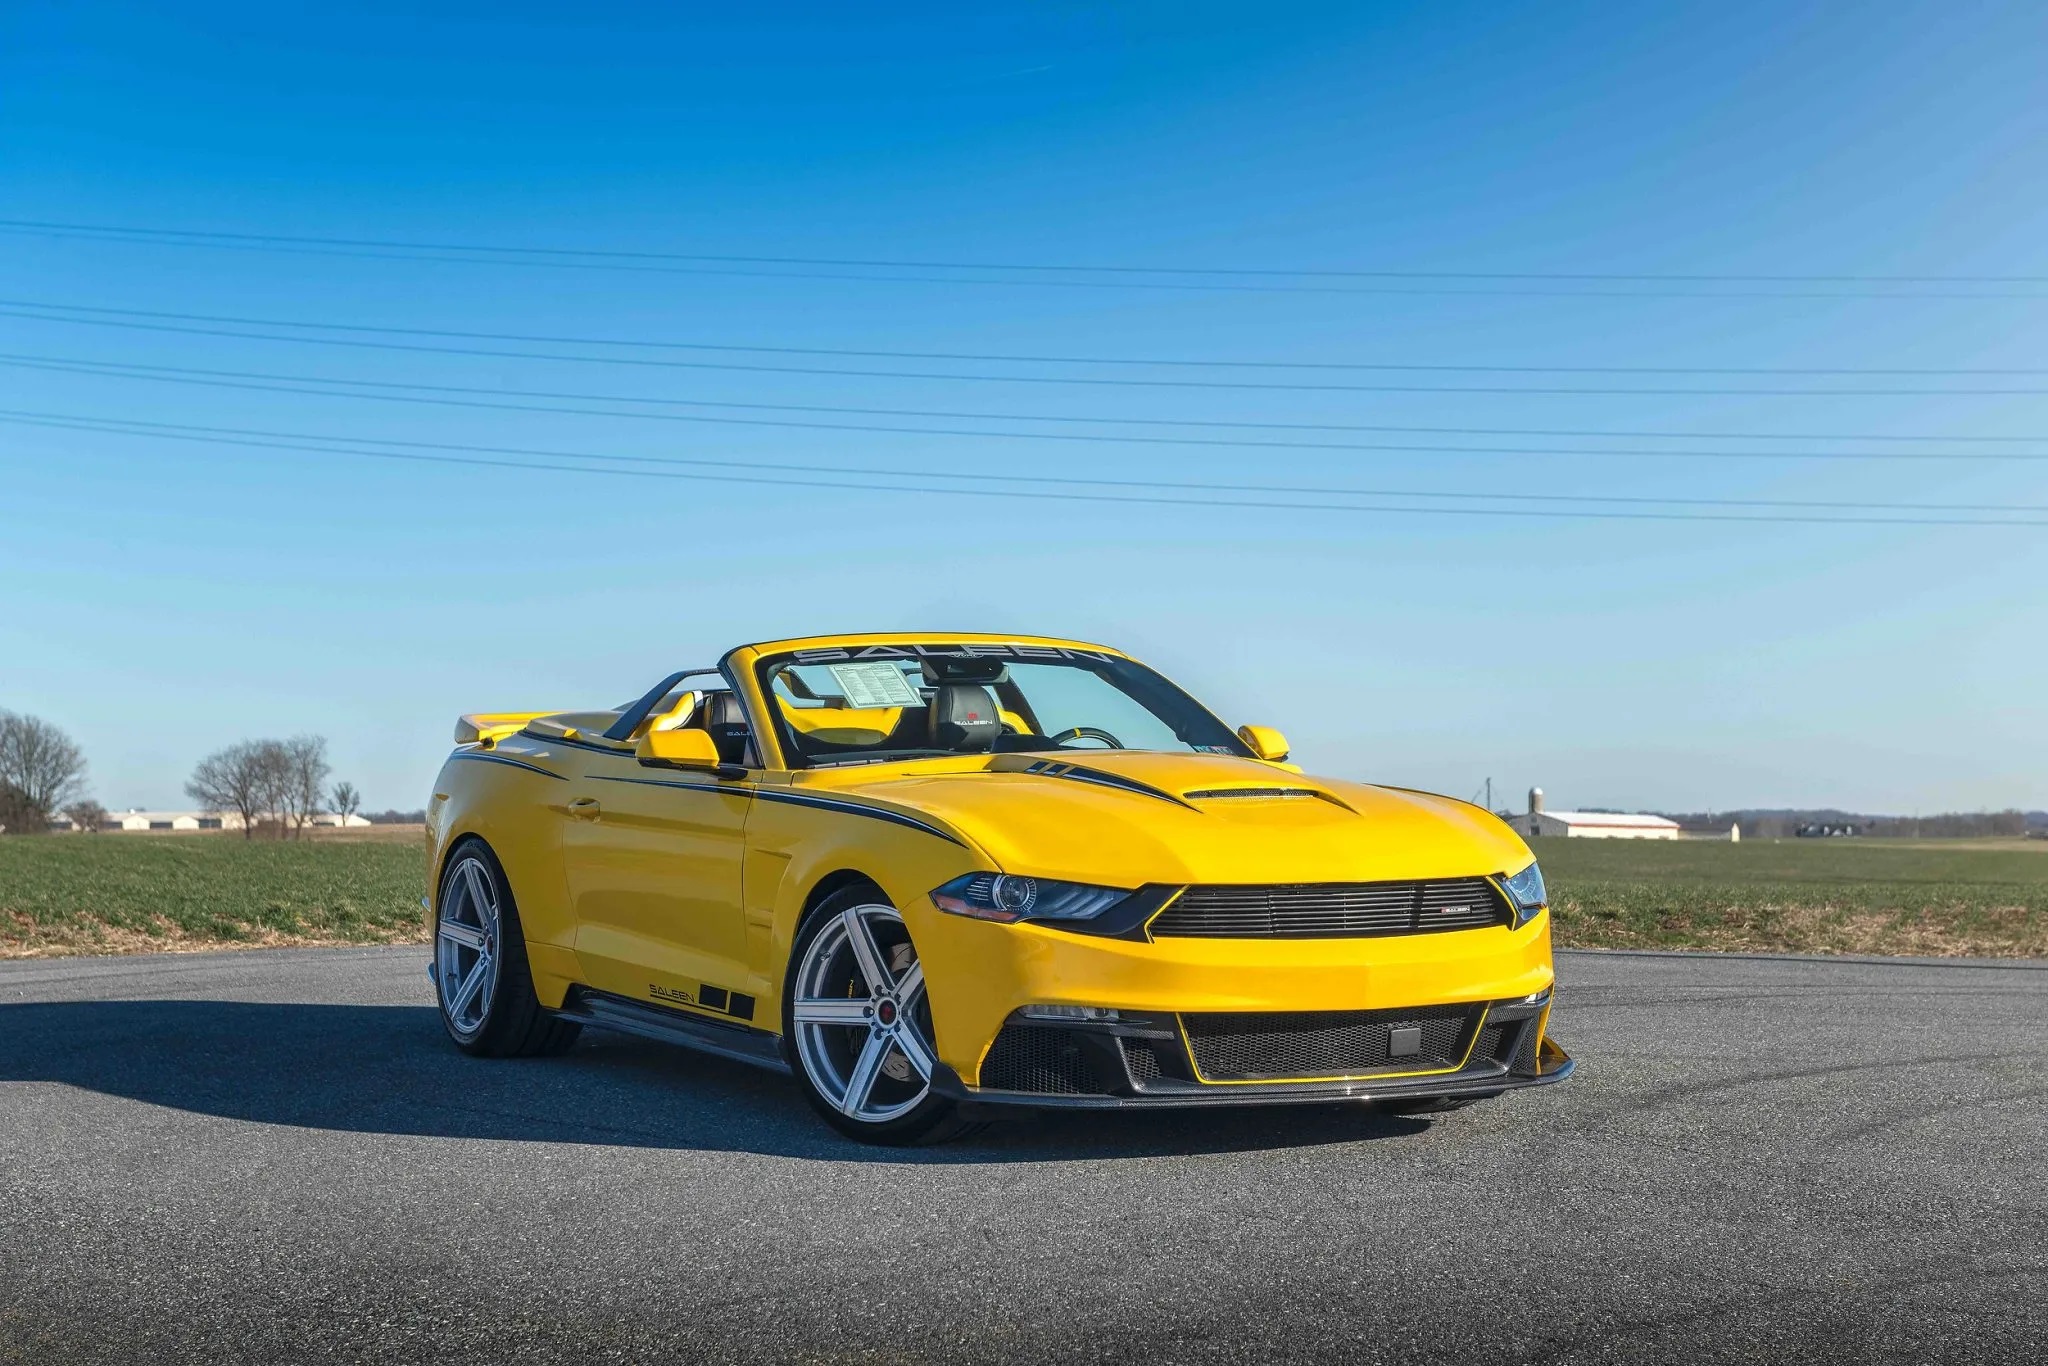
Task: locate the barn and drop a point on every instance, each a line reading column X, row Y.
column 1537, row 823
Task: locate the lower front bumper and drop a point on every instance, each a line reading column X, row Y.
column 1450, row 1086
column 1166, row 1061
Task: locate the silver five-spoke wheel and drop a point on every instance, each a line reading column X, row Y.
column 863, row 1026
column 466, row 946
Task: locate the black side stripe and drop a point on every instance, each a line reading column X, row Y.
column 794, row 799
column 515, row 763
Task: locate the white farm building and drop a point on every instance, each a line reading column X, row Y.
column 137, row 819
column 1538, row 823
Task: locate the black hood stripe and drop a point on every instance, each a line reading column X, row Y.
column 1052, row 768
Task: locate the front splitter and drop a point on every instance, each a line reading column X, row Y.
column 1555, row 1063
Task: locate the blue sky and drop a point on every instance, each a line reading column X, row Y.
column 159, row 598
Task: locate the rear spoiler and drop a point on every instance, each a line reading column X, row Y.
column 486, row 728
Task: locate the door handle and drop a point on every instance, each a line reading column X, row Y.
column 585, row 808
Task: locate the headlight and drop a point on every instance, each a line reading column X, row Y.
column 1000, row 896
column 1525, row 890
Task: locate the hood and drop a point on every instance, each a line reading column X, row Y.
column 1126, row 818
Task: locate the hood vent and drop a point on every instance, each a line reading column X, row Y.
column 1218, row 792
column 1267, row 793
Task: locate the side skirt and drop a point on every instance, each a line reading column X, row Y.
column 606, row 1011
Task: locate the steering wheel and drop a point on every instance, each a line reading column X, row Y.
column 1086, row 733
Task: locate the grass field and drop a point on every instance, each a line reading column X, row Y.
column 127, row 893
column 123, row 893
column 1929, row 897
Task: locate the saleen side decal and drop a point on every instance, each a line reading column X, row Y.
column 501, row 759
column 737, row 1004
column 793, row 799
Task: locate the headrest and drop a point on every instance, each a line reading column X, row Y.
column 723, row 709
column 964, row 717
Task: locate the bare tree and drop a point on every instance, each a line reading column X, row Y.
column 241, row 778
column 305, row 780
column 345, row 800
column 40, row 765
column 16, row 815
column 86, row 816
column 275, row 768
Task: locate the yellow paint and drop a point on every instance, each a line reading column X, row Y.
column 681, row 877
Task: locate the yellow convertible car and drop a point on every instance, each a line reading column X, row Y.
column 936, row 875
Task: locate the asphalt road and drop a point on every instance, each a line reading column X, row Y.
column 274, row 1156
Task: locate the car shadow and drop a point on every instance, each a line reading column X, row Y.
column 391, row 1070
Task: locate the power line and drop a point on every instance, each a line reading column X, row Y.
column 1090, row 381
column 1125, row 499
column 240, row 435
column 903, row 264
column 422, row 394
column 1178, row 278
column 9, row 307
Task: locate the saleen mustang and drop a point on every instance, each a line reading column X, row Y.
column 933, row 875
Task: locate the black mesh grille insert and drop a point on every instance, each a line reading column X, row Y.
column 1492, row 1040
column 1142, row 1059
column 1331, row 910
column 1525, row 1056
column 1040, row 1058
column 1335, row 1043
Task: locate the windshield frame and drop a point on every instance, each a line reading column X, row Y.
column 1153, row 688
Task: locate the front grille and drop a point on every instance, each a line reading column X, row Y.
column 1307, row 1045
column 1332, row 910
column 1039, row 1058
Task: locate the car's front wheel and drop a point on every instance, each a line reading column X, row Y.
column 858, row 1026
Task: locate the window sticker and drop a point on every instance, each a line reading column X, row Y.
column 876, row 684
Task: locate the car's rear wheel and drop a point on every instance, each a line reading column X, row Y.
column 857, row 1024
column 481, row 976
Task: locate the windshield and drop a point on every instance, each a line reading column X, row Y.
column 874, row 703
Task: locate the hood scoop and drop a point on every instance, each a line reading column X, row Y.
column 1212, row 794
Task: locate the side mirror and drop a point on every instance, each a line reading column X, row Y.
column 679, row 749
column 1267, row 743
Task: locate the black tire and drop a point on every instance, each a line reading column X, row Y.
column 934, row 1118
column 512, row 1024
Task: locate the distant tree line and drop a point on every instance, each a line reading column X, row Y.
column 281, row 784
column 1785, row 824
column 278, row 785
